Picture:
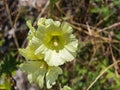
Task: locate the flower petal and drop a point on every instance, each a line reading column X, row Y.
column 41, row 21
column 41, row 49
column 52, row 75
column 73, row 45
column 53, row 58
column 29, row 54
column 66, row 28
column 32, row 29
column 36, row 71
column 66, row 55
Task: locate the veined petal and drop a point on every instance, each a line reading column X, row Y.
column 52, row 75
column 41, row 21
column 49, row 22
column 34, row 43
column 41, row 49
column 32, row 29
column 36, row 71
column 66, row 55
column 33, row 66
column 53, row 58
column 29, row 54
column 66, row 28
column 40, row 80
column 57, row 23
column 72, row 46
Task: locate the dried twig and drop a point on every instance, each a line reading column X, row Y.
column 11, row 23
column 110, row 27
column 104, row 19
column 95, row 34
column 113, row 58
column 41, row 13
column 8, row 13
column 102, row 74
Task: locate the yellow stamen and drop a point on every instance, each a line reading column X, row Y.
column 55, row 44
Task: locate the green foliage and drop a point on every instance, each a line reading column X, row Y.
column 101, row 8
column 1, row 39
column 7, row 68
column 5, row 84
column 84, row 75
column 8, row 65
column 116, row 2
column 117, row 34
column 105, row 10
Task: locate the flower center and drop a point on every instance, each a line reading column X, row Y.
column 55, row 40
column 55, row 44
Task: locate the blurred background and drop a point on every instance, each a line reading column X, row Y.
column 96, row 24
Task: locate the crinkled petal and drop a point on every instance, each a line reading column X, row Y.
column 73, row 45
column 57, row 23
column 66, row 28
column 40, row 80
column 36, row 71
column 41, row 21
column 41, row 49
column 66, row 55
column 34, row 43
column 49, row 22
column 32, row 29
column 52, row 75
column 33, row 66
column 29, row 54
column 66, row 88
column 53, row 58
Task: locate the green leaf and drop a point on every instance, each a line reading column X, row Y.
column 5, row 84
column 8, row 65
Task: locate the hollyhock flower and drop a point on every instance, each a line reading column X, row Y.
column 39, row 72
column 58, row 44
column 52, row 41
